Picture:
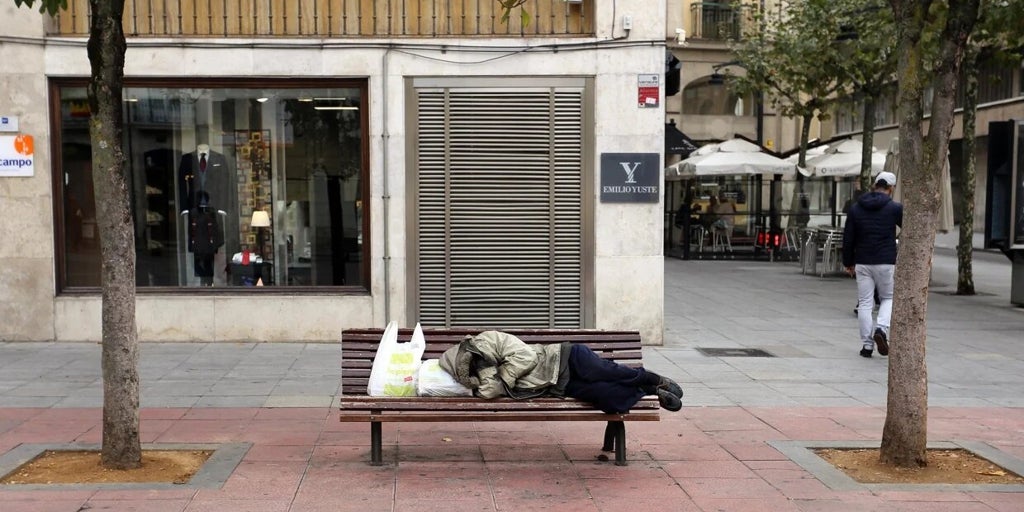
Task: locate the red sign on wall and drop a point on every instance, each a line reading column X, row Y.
column 648, row 91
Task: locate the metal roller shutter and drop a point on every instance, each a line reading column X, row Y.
column 499, row 207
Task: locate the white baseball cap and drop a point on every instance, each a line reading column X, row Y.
column 886, row 177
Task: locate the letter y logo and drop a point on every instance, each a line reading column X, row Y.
column 630, row 169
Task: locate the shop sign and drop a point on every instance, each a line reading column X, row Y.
column 630, row 178
column 16, row 156
column 8, row 124
column 648, row 91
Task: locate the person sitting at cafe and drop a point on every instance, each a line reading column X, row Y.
column 710, row 216
column 725, row 214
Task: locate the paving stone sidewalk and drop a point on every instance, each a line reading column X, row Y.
column 725, row 451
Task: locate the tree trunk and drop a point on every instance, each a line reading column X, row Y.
column 904, row 436
column 965, row 247
column 805, row 135
column 868, row 139
column 106, row 48
column 798, row 214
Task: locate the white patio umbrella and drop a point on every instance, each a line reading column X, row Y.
column 844, row 159
column 732, row 157
column 795, row 158
column 945, row 213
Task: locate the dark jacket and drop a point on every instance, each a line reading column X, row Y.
column 219, row 188
column 869, row 237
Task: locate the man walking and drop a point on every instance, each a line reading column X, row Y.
column 869, row 253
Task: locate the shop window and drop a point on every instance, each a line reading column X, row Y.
column 229, row 186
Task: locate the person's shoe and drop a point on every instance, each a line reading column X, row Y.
column 865, row 352
column 881, row 341
column 669, row 401
column 663, row 383
column 671, row 386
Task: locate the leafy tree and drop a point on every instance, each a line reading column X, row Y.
column 120, row 358
column 506, row 11
column 921, row 157
column 868, row 59
column 791, row 56
column 997, row 38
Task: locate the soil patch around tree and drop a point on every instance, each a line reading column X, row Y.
column 945, row 466
column 83, row 467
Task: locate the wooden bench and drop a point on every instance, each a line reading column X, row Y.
column 360, row 345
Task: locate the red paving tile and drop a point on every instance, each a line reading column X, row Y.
column 703, row 459
column 688, row 452
column 447, row 505
column 238, row 505
column 261, row 453
column 344, row 505
column 635, row 470
column 746, row 505
column 644, row 504
column 728, row 488
column 431, row 469
column 296, row 414
column 142, row 495
column 413, row 487
column 522, row 453
column 1001, row 501
column 550, row 505
column 709, row 468
column 58, row 505
column 221, row 413
column 138, row 506
column 662, row 488
column 751, row 451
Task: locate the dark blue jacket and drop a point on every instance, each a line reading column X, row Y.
column 869, row 237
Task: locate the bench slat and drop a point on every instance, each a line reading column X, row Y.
column 427, row 403
column 454, row 416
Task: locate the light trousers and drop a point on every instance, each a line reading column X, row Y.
column 870, row 278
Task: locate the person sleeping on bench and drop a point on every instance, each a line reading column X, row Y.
column 495, row 364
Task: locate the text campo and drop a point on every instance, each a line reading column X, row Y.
column 15, row 162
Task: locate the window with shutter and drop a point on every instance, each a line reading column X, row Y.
column 498, row 207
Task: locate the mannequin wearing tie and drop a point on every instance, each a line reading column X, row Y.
column 206, row 181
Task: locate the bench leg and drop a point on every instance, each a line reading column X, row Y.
column 609, row 438
column 375, row 442
column 615, row 439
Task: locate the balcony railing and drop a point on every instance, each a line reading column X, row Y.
column 337, row 18
column 719, row 21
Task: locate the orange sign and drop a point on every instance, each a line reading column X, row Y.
column 17, row 156
column 23, row 145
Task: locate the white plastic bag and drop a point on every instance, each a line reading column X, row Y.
column 395, row 365
column 434, row 381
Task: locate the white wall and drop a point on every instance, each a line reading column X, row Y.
column 26, row 230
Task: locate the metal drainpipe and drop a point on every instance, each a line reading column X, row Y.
column 386, row 197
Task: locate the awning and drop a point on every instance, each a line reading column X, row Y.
column 676, row 142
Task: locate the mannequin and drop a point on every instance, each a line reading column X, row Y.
column 205, row 238
column 207, row 183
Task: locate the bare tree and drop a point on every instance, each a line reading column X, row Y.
column 120, row 359
column 921, row 157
